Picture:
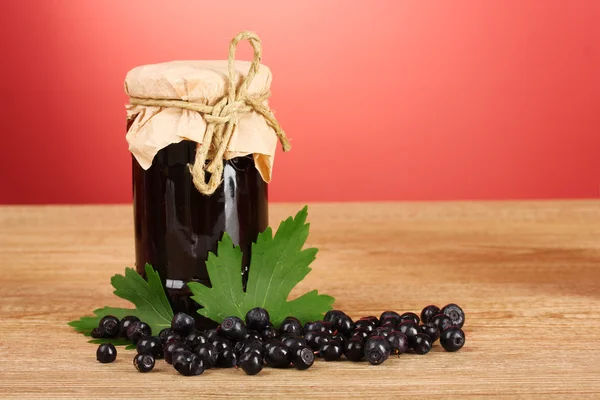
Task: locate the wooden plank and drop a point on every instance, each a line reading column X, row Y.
column 526, row 273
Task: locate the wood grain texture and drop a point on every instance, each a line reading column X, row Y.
column 526, row 273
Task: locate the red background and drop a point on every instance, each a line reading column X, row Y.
column 384, row 100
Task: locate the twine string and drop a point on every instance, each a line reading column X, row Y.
column 222, row 118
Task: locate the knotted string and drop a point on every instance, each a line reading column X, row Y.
column 222, row 118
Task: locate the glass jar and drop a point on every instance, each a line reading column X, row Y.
column 176, row 226
column 182, row 114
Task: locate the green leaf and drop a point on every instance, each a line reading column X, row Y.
column 226, row 296
column 148, row 297
column 277, row 265
column 114, row 341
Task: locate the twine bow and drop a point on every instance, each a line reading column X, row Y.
column 222, row 118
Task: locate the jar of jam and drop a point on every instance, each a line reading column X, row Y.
column 201, row 162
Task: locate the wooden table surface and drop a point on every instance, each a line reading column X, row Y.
column 526, row 273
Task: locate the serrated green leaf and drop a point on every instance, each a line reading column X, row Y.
column 226, row 280
column 148, row 297
column 277, row 265
column 302, row 307
column 114, row 341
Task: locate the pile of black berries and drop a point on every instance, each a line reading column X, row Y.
column 254, row 343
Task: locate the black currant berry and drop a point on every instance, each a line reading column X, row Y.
column 197, row 367
column 277, row 356
column 97, row 333
column 354, row 350
column 431, row 330
column 452, row 339
column 360, row 334
column 316, row 339
column 109, row 325
column 345, row 325
column 389, row 316
column 398, row 342
column 182, row 357
column 106, row 353
column 410, row 329
column 194, row 340
column 257, row 319
column 233, row 328
column 303, row 357
column 410, row 316
column 208, row 353
column 253, row 346
column 138, row 330
column 221, row 344
column 171, row 349
column 144, row 362
column 124, row 324
column 252, row 335
column 238, row 347
column 162, row 335
column 332, row 314
column 422, row 343
column 251, row 363
column 270, row 343
column 183, row 324
column 309, row 337
column 456, row 314
column 269, row 333
column 366, row 324
column 371, row 318
column 170, row 336
column 312, row 326
column 381, row 331
column 331, row 351
column 290, row 325
column 389, row 323
column 291, row 342
column 341, row 323
column 377, row 350
column 338, row 339
column 188, row 364
column 227, row 359
column 327, row 327
column 429, row 312
column 150, row 345
column 442, row 321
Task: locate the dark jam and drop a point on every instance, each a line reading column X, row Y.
column 176, row 226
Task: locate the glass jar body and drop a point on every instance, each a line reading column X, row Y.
column 176, row 226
